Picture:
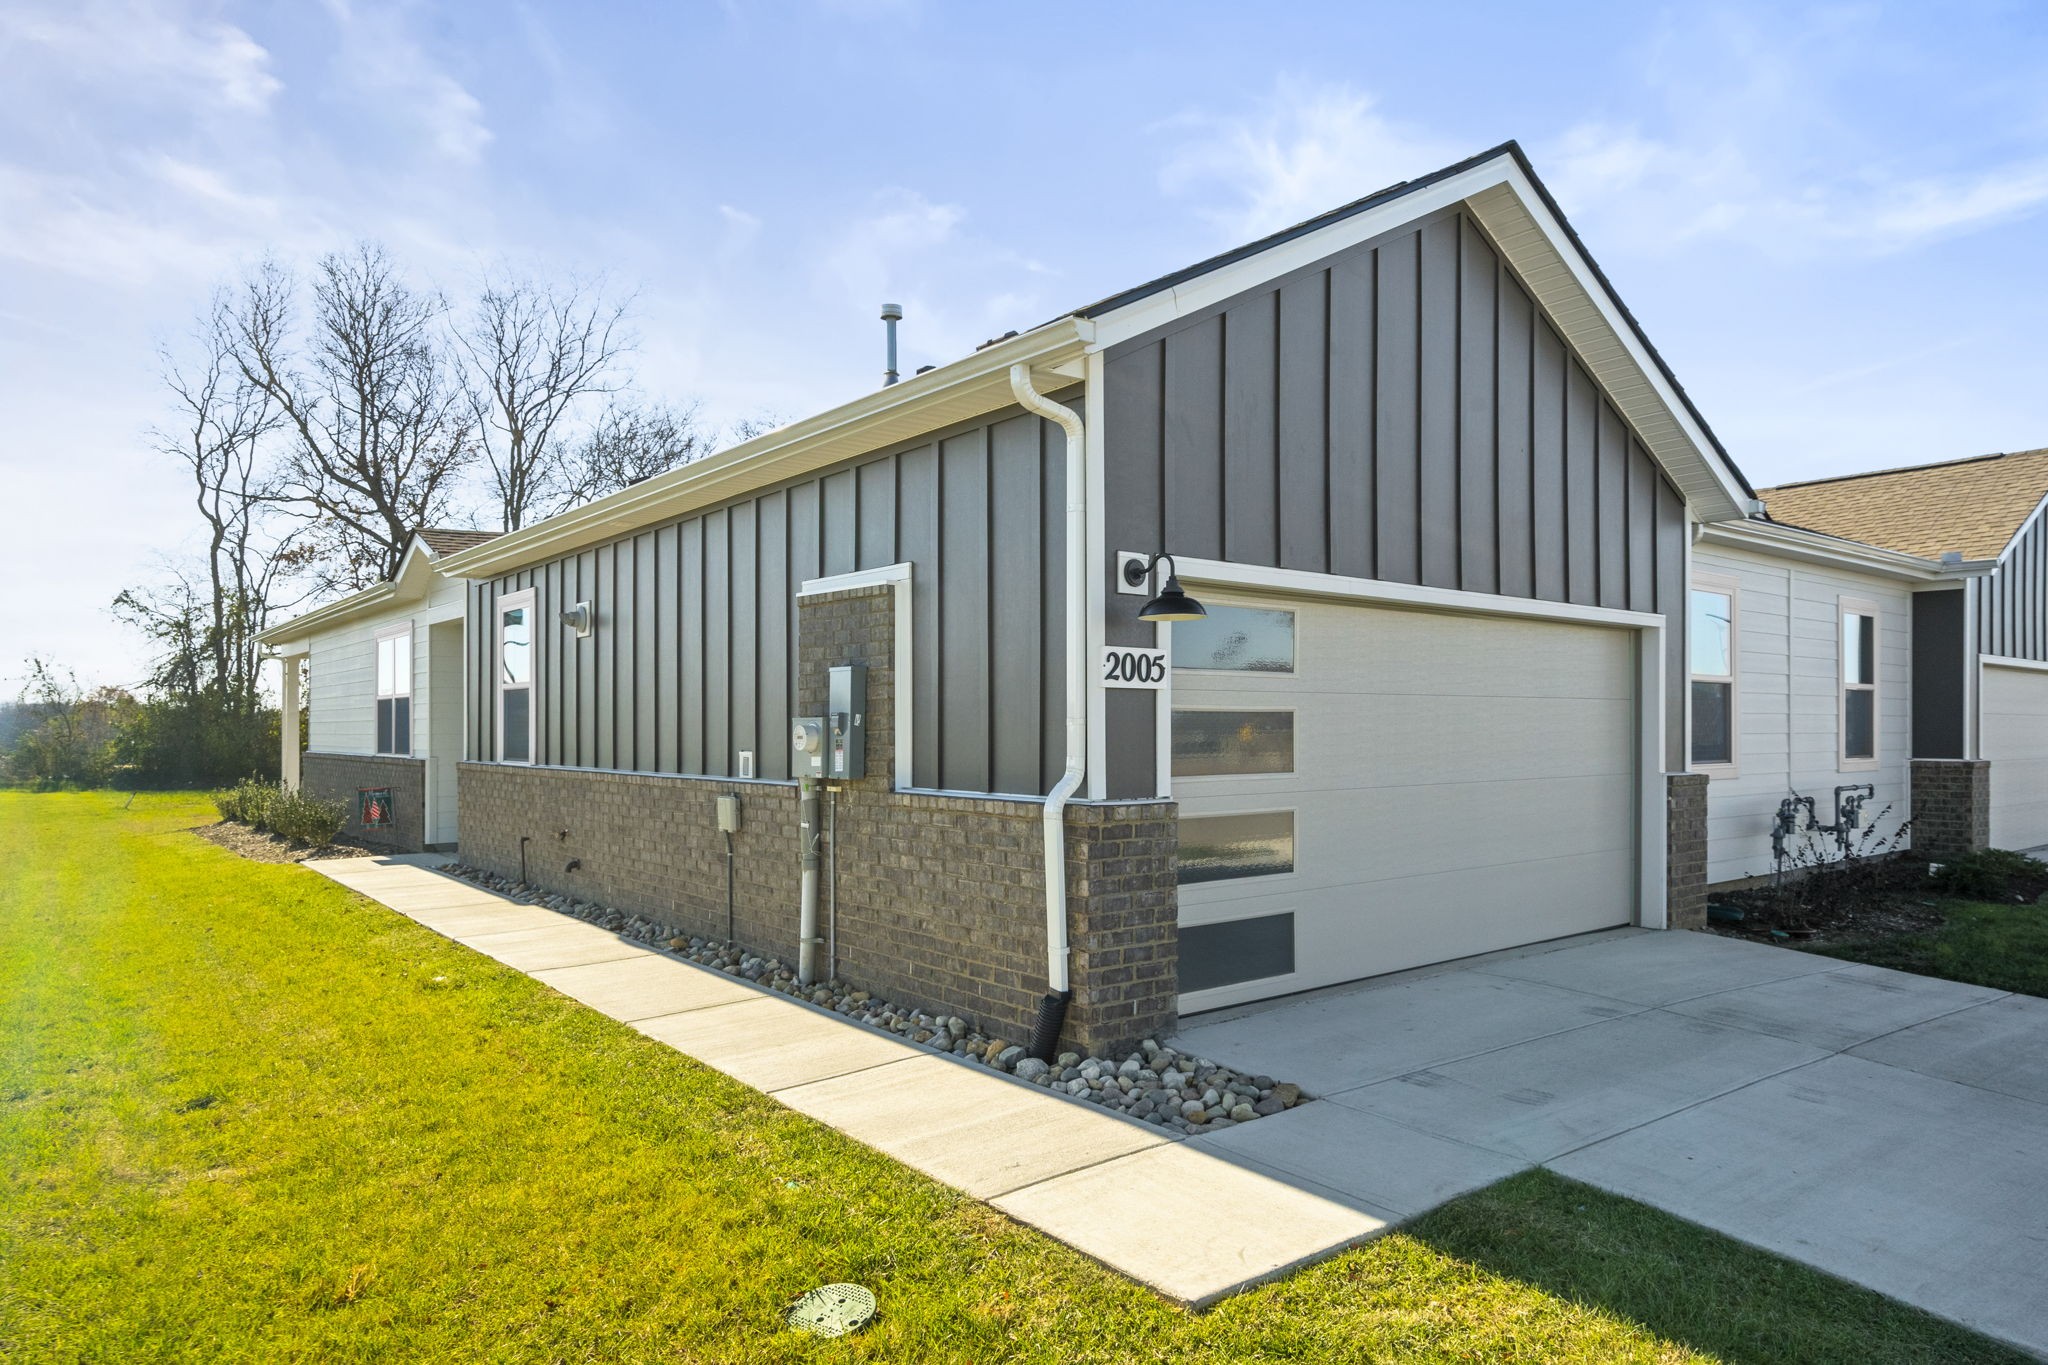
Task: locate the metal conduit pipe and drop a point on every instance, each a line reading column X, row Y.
column 807, row 909
column 1052, row 1010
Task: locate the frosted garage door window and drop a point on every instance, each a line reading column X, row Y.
column 1237, row 639
column 1220, row 743
column 1216, row 848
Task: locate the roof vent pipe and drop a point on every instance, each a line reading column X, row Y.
column 892, row 313
column 1052, row 1010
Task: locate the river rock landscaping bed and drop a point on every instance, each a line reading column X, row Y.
column 1155, row 1084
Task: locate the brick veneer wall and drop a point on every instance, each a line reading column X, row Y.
column 1685, row 850
column 940, row 898
column 1951, row 805
column 337, row 777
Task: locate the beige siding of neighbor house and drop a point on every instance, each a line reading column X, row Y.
column 342, row 676
column 1788, row 735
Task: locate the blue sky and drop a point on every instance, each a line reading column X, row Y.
column 1829, row 219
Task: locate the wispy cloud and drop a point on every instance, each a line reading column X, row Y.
column 142, row 48
column 387, row 66
column 1303, row 149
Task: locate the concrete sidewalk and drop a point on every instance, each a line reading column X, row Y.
column 1090, row 1178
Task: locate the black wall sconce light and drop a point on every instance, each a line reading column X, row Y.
column 1170, row 603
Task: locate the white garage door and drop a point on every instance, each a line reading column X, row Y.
column 1368, row 789
column 2013, row 734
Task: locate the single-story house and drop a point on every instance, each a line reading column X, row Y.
column 1979, row 642
column 1437, row 493
column 385, row 688
column 1494, row 644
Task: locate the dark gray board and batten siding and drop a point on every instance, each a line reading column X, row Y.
column 1401, row 411
column 693, row 655
column 2012, row 601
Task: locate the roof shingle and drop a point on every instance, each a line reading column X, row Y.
column 1970, row 507
column 445, row 541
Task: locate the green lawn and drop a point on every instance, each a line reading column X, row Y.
column 246, row 1115
column 1984, row 943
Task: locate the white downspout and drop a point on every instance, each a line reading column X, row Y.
column 1077, row 677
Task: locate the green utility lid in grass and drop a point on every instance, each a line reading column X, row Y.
column 833, row 1310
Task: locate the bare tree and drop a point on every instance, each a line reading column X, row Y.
column 379, row 430
column 630, row 442
column 535, row 352
column 224, row 422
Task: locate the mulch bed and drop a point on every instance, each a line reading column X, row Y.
column 261, row 847
column 1879, row 899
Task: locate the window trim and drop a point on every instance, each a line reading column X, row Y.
column 401, row 631
column 523, row 598
column 1730, row 586
column 1860, row 606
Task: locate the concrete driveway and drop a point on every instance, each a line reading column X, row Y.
column 1890, row 1129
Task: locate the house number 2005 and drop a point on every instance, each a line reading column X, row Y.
column 1123, row 666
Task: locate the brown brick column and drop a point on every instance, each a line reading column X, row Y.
column 1951, row 806
column 1685, row 850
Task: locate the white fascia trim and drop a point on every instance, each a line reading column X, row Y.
column 1653, row 885
column 1094, row 432
column 2002, row 661
column 1562, row 279
column 1305, row 583
column 953, row 392
column 407, row 585
column 897, row 576
column 1792, row 542
column 1557, row 274
column 1212, row 287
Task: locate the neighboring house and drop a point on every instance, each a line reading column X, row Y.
column 384, row 705
column 1979, row 641
column 1802, row 679
column 1438, row 494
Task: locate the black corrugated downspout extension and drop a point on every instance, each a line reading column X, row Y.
column 1052, row 1017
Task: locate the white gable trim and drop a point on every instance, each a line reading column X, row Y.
column 1556, row 272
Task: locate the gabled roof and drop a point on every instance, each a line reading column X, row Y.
column 1499, row 189
column 1971, row 507
column 417, row 571
column 443, row 541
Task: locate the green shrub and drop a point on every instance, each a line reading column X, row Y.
column 1987, row 874
column 248, row 802
column 306, row 819
column 288, row 814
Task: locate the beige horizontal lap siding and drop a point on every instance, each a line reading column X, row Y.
column 1788, row 733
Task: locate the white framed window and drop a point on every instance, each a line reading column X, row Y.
column 1856, row 681
column 394, row 690
column 513, row 637
column 1713, row 610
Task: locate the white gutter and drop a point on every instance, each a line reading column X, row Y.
column 1077, row 672
column 1795, row 542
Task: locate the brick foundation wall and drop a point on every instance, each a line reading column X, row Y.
column 940, row 898
column 1685, row 850
column 337, row 777
column 1951, row 805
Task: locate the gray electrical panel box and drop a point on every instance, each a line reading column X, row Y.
column 846, row 709
column 728, row 814
column 807, row 746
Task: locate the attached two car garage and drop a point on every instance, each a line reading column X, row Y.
column 1369, row 788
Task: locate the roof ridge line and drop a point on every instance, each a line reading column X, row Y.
column 1904, row 469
